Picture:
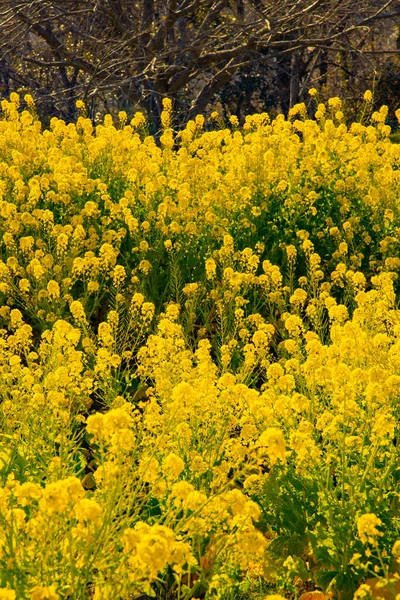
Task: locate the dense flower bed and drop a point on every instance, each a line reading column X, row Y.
column 199, row 356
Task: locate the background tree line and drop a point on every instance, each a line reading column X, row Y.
column 239, row 55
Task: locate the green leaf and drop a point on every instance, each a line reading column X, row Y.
column 324, row 578
column 289, row 545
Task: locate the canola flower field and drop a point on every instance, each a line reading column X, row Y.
column 199, row 357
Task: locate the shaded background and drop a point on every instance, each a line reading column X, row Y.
column 237, row 56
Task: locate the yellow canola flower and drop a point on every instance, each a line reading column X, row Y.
column 211, row 268
column 77, row 310
column 29, row 100
column 396, row 551
column 7, row 594
column 88, row 510
column 14, row 97
column 151, row 548
column 173, row 465
column 58, row 495
column 53, row 289
column 167, row 104
column 368, row 96
column 272, row 442
column 367, row 527
column 47, row 592
column 364, row 591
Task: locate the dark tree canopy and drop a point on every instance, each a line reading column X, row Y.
column 130, row 55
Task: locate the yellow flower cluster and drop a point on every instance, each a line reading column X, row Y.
column 367, row 528
column 199, row 355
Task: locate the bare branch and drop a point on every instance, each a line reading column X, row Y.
column 188, row 49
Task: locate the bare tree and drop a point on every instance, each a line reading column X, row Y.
column 135, row 53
